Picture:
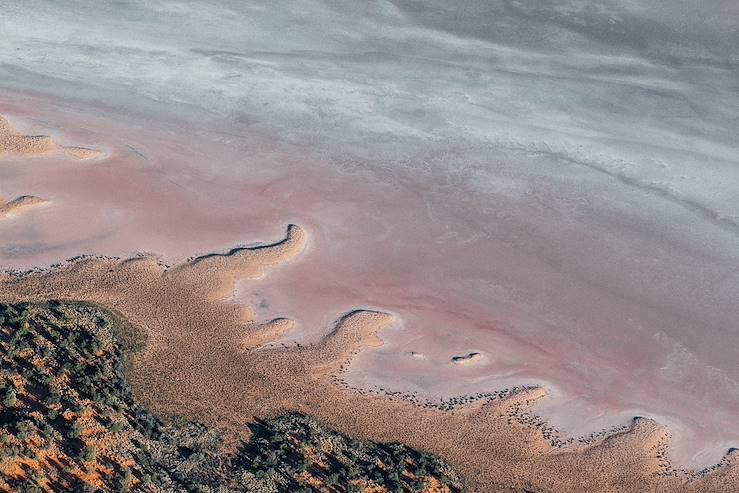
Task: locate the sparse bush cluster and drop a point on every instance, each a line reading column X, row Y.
column 69, row 422
column 294, row 452
column 63, row 400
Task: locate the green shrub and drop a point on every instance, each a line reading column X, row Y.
column 10, row 399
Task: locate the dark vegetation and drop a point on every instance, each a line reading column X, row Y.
column 68, row 422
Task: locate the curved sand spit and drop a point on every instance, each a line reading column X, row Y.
column 20, row 204
column 201, row 362
column 11, row 142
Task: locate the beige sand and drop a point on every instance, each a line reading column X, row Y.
column 11, row 142
column 198, row 363
column 20, row 204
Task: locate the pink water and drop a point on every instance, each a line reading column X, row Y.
column 557, row 279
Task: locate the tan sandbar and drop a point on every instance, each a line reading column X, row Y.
column 20, row 204
column 11, row 142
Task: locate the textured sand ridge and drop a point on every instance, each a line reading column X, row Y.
column 11, row 142
column 209, row 360
column 19, row 204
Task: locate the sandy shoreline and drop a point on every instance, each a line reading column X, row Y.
column 140, row 180
column 192, row 343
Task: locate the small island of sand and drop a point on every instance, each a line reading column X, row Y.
column 467, row 358
column 20, row 204
column 11, row 142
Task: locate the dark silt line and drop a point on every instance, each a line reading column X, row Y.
column 137, row 152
